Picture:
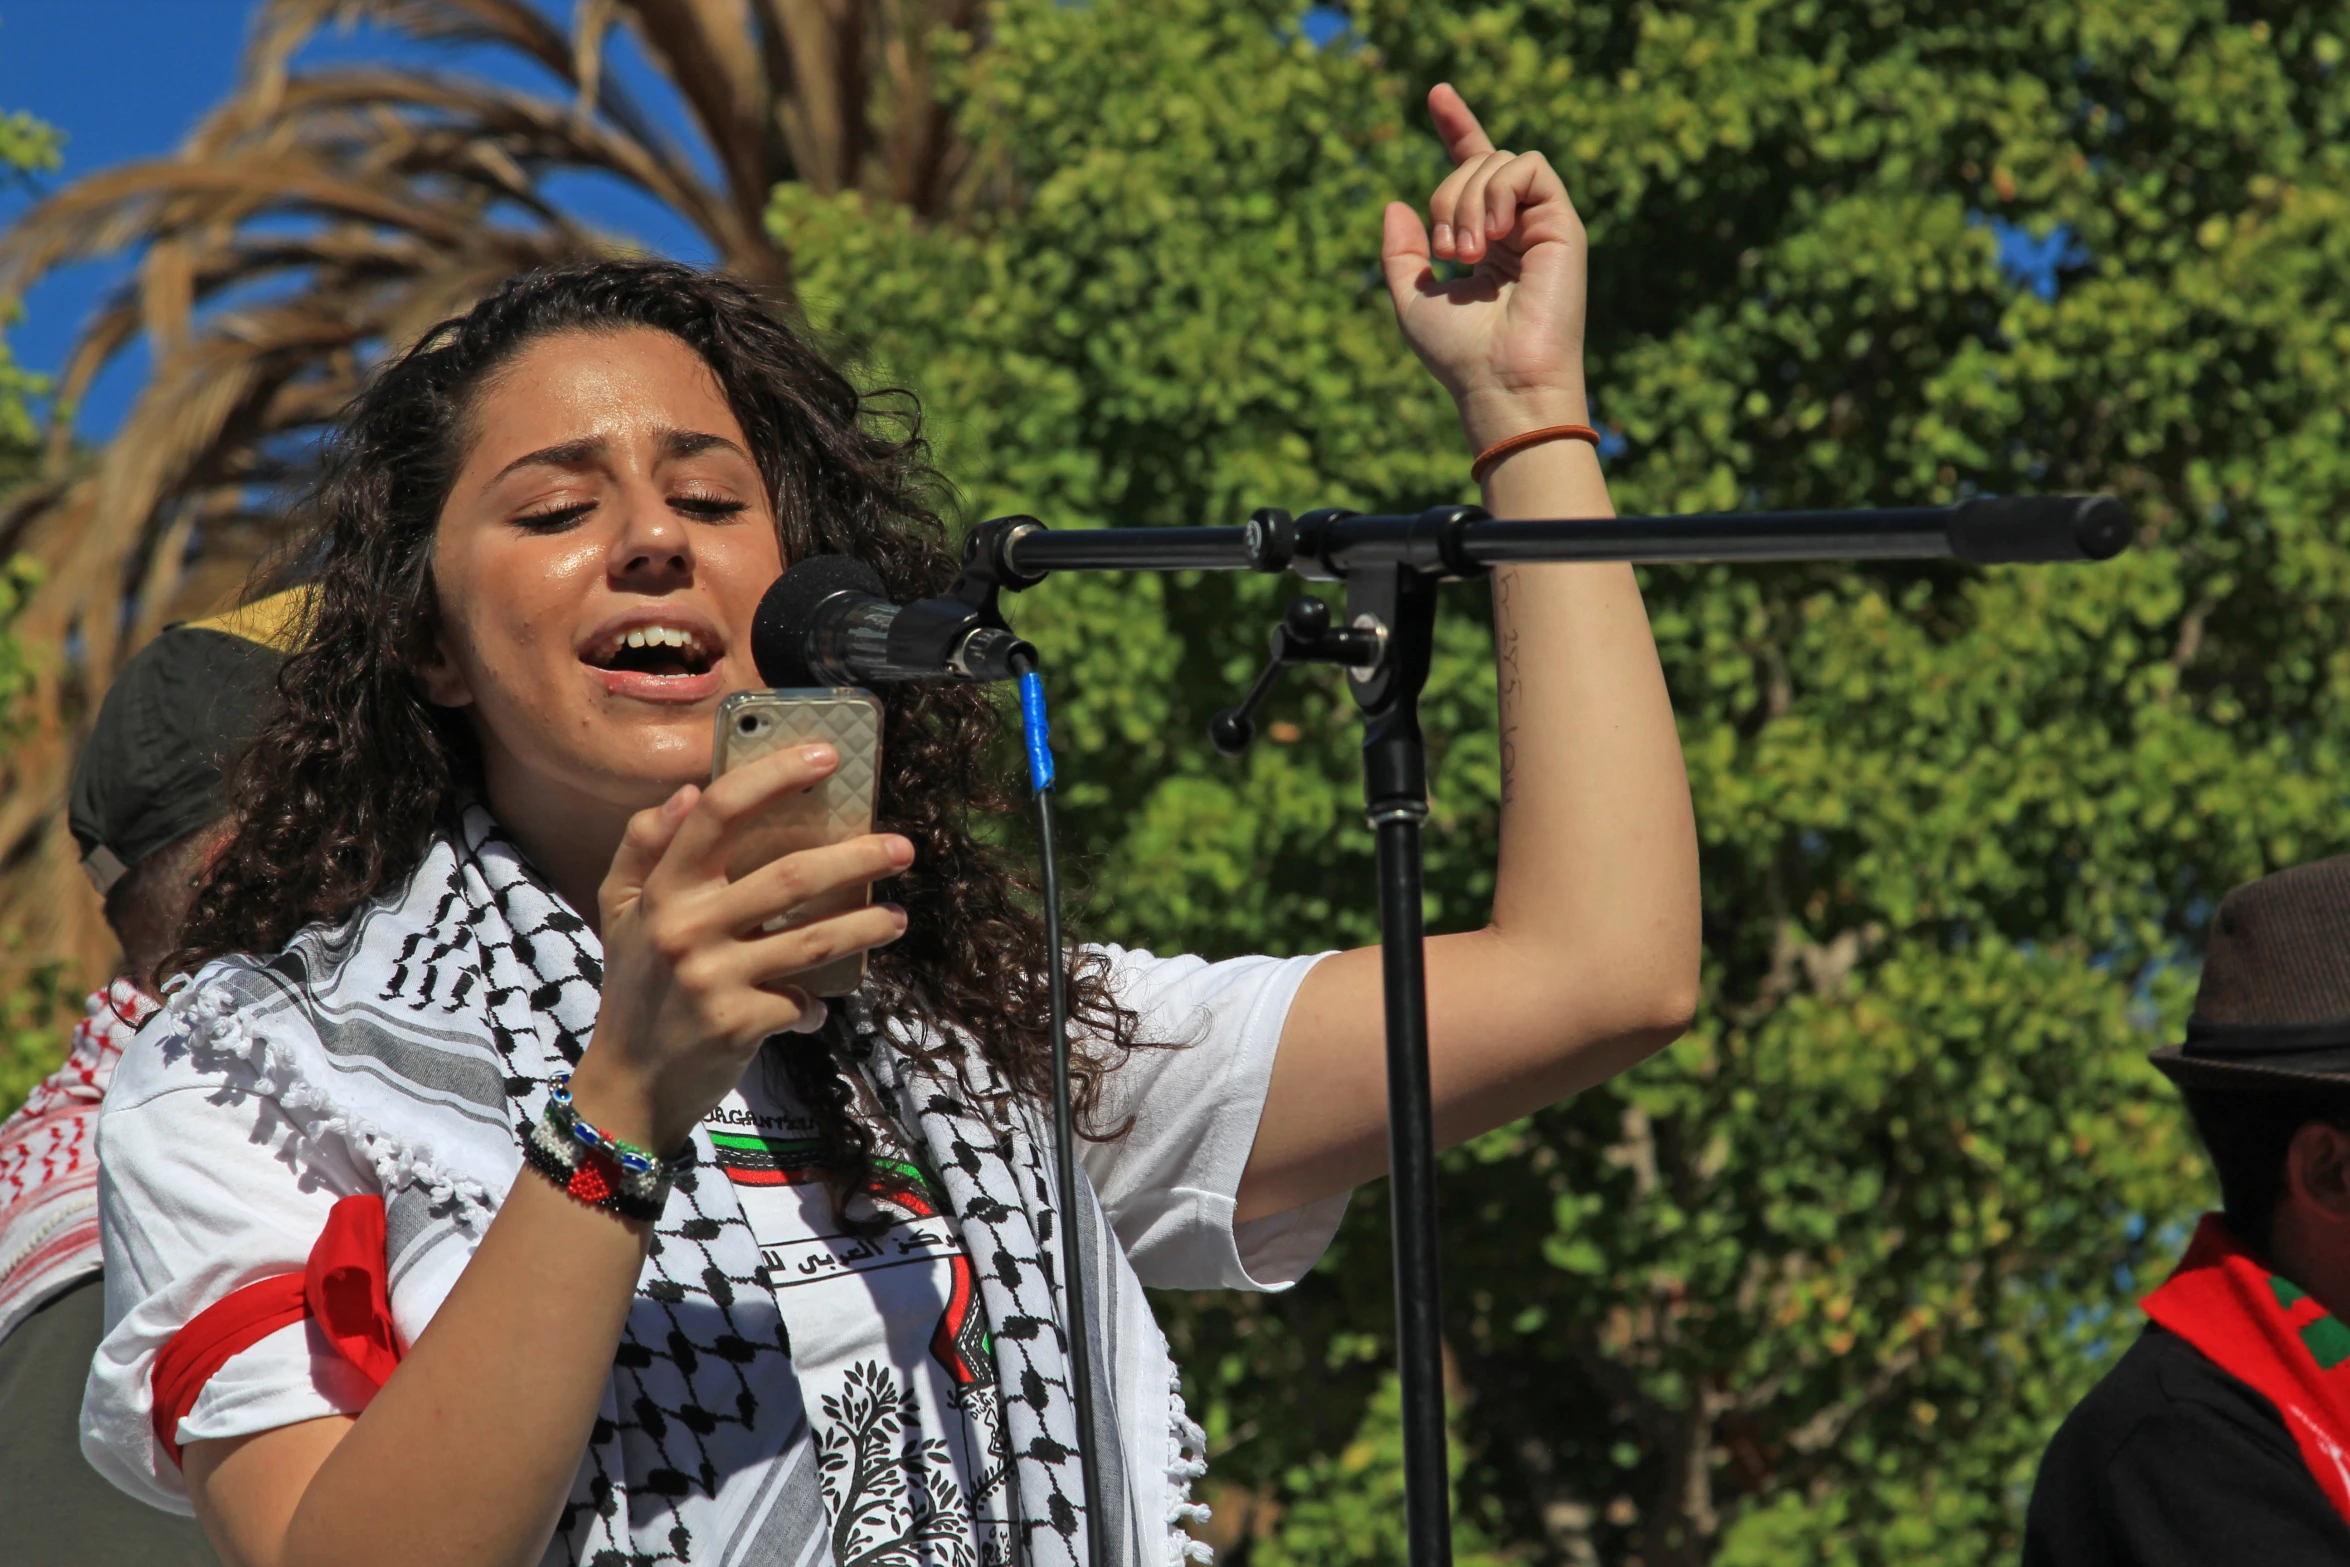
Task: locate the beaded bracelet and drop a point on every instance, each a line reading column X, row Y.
column 635, row 1160
column 588, row 1176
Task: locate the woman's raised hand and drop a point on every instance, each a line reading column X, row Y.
column 692, row 984
column 1507, row 340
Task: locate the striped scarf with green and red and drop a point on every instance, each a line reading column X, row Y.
column 2264, row 1330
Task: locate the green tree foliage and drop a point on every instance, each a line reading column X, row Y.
column 32, row 1003
column 1815, row 1284
column 28, row 149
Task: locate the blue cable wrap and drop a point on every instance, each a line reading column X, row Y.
column 1038, row 730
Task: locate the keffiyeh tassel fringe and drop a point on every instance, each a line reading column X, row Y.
column 397, row 1163
column 1187, row 1461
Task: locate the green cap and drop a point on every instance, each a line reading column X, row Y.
column 172, row 722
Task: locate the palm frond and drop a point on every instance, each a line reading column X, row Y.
column 318, row 218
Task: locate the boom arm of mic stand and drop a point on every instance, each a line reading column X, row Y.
column 1462, row 541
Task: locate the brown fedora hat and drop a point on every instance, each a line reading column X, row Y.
column 2274, row 1006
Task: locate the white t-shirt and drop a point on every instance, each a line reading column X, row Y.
column 887, row 1335
column 205, row 1188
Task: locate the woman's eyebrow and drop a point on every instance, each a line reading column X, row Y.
column 564, row 454
column 692, row 443
column 674, row 445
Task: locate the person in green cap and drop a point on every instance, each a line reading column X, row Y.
column 146, row 812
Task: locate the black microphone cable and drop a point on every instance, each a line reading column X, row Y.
column 1036, row 730
column 826, row 622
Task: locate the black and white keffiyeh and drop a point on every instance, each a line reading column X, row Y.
column 465, row 995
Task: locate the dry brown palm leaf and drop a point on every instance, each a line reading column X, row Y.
column 319, row 217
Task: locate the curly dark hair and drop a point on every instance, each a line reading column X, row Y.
column 343, row 792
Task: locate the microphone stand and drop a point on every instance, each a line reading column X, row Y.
column 1391, row 566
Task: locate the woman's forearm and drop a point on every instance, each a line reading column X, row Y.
column 490, row 1412
column 1596, row 881
column 469, row 1450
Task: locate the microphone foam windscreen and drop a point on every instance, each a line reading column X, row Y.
column 779, row 631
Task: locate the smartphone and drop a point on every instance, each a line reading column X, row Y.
column 752, row 724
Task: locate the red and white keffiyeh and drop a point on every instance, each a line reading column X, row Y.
column 49, row 1161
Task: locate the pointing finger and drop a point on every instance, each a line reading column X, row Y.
column 1464, row 139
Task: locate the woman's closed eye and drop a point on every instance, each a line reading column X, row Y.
column 706, row 508
column 696, row 508
column 555, row 518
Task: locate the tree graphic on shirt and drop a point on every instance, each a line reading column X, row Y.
column 893, row 1493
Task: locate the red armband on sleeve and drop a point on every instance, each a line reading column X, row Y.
column 344, row 1288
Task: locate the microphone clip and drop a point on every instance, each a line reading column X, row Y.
column 965, row 628
column 988, row 569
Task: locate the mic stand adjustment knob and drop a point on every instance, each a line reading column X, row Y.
column 1305, row 636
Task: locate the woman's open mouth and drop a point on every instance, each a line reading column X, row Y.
column 658, row 662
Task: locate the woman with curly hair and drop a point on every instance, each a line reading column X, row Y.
column 491, row 1192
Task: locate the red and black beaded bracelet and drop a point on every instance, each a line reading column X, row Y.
column 593, row 1177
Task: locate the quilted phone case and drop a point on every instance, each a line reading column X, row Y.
column 752, row 724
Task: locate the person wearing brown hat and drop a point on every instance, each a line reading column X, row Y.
column 2223, row 1435
column 145, row 810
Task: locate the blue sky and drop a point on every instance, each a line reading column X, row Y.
column 126, row 79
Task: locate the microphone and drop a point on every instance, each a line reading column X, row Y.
column 828, row 622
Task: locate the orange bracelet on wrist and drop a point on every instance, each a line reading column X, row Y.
column 1518, row 443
